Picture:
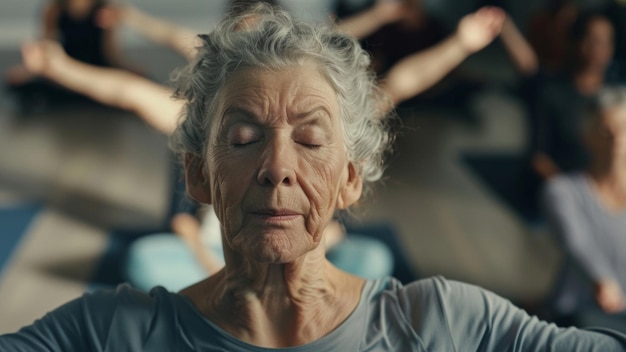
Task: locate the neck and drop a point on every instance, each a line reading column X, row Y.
column 280, row 305
column 610, row 181
column 608, row 169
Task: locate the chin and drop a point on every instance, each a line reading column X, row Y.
column 277, row 252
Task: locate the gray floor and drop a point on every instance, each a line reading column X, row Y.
column 101, row 169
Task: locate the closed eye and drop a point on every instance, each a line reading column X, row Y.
column 242, row 135
column 310, row 146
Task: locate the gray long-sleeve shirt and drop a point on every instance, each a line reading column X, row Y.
column 427, row 315
column 593, row 237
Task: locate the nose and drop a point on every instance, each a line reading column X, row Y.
column 278, row 163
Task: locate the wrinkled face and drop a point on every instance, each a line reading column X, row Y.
column 276, row 166
column 596, row 48
column 608, row 135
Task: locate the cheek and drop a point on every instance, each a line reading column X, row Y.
column 321, row 186
column 227, row 180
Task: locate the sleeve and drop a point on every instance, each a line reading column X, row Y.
column 59, row 330
column 93, row 322
column 482, row 321
column 572, row 231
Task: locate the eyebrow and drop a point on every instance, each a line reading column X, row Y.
column 251, row 116
column 240, row 111
column 304, row 115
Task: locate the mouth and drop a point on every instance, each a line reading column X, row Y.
column 275, row 215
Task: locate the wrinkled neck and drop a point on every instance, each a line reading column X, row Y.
column 280, row 305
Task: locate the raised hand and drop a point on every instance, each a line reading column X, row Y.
column 41, row 57
column 478, row 29
column 610, row 297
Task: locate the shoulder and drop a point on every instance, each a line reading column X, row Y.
column 126, row 316
column 564, row 185
column 126, row 302
column 448, row 297
column 461, row 316
column 456, row 314
column 101, row 320
column 449, row 308
column 123, row 295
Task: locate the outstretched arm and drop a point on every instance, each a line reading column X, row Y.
column 422, row 70
column 181, row 39
column 521, row 53
column 112, row 87
column 369, row 21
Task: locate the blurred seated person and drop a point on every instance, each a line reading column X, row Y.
column 282, row 129
column 587, row 213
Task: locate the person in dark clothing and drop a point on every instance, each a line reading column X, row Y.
column 82, row 28
column 80, row 36
column 414, row 32
column 560, row 101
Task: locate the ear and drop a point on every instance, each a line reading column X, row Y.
column 198, row 185
column 351, row 189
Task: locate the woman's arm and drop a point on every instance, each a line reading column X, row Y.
column 105, row 320
column 118, row 88
column 521, row 53
column 181, row 39
column 422, row 70
column 466, row 317
column 60, row 330
column 575, row 234
column 369, row 21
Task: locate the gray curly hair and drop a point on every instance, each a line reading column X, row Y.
column 268, row 38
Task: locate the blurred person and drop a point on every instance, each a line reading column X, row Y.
column 549, row 32
column 587, row 213
column 556, row 100
column 279, row 134
column 561, row 100
column 556, row 88
column 78, row 27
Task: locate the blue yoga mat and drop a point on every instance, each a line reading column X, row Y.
column 14, row 223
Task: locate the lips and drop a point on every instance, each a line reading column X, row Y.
column 275, row 212
column 275, row 216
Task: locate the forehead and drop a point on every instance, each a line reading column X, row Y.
column 285, row 90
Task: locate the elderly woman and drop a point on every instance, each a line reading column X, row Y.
column 282, row 130
column 588, row 216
